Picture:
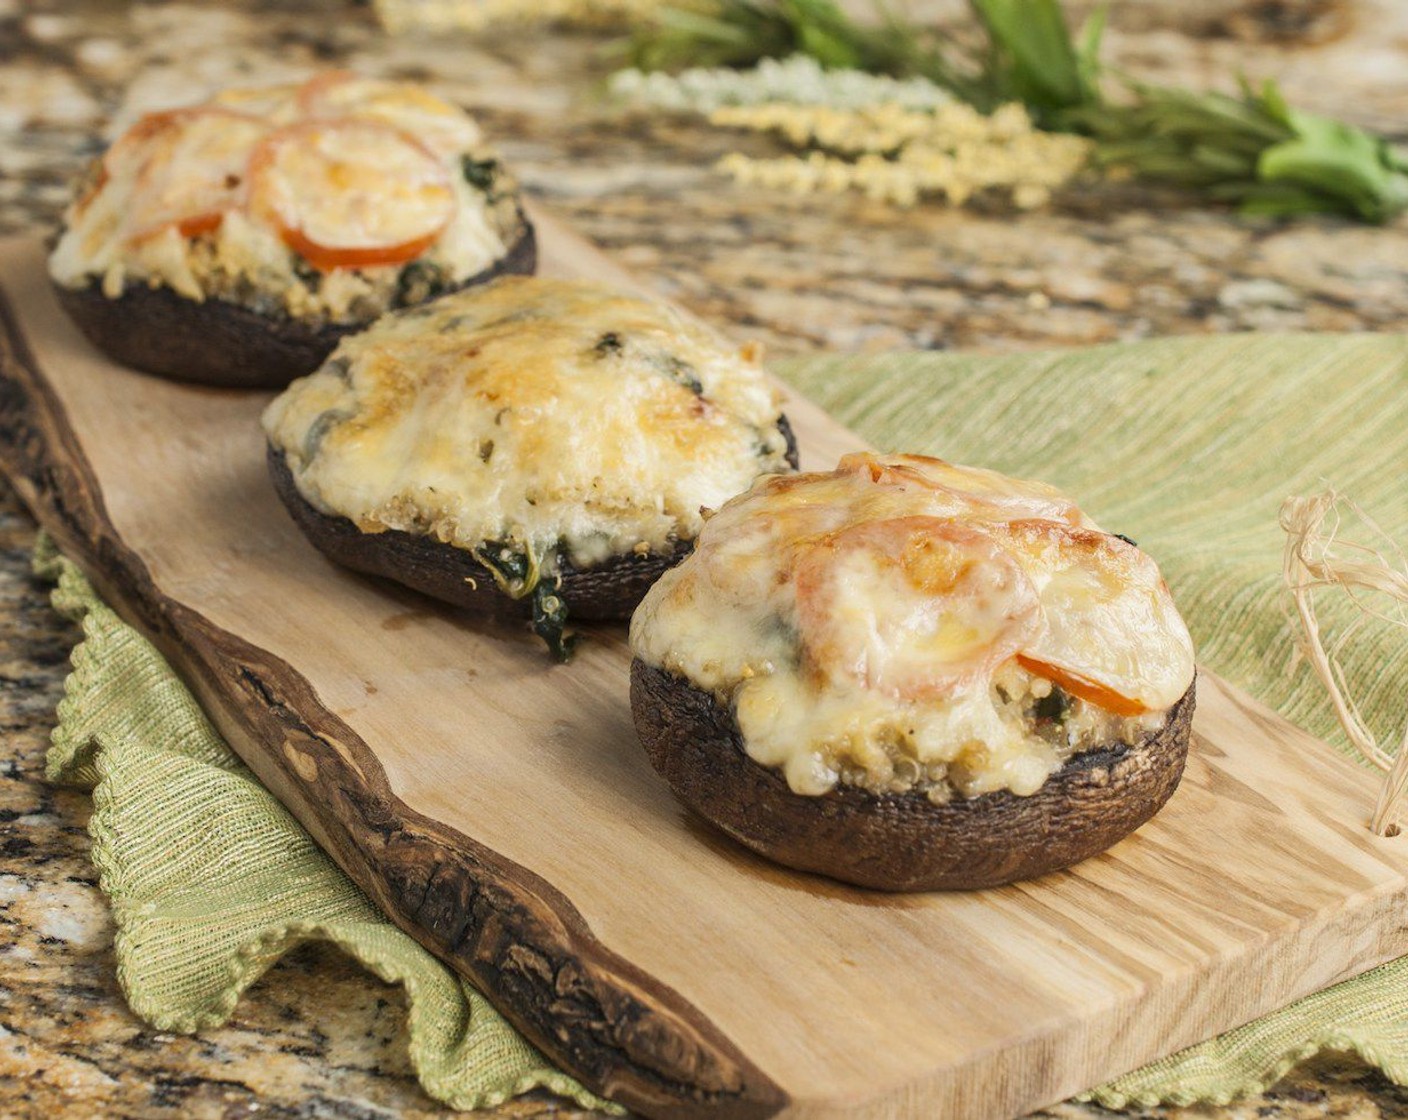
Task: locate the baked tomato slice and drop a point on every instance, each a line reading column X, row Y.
column 183, row 169
column 443, row 128
column 350, row 193
column 913, row 607
column 1113, row 635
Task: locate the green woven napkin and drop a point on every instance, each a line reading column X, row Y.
column 211, row 881
column 1187, row 445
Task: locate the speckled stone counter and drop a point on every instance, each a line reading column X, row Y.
column 318, row 1037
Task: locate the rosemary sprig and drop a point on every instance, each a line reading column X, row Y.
column 1253, row 150
column 741, row 33
column 1250, row 149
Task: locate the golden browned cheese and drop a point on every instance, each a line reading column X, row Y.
column 902, row 623
column 565, row 417
column 194, row 199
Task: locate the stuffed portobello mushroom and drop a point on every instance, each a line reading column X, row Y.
column 911, row 675
column 532, row 448
column 235, row 242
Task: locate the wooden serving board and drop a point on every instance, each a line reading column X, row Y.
column 498, row 807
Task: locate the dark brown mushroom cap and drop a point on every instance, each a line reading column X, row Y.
column 609, row 590
column 902, row 842
column 216, row 342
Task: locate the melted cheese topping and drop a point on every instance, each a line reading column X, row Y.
column 904, row 623
column 190, row 170
column 558, row 417
column 280, row 104
column 403, row 192
column 440, row 127
column 373, row 171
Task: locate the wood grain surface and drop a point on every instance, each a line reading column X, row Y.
column 498, row 807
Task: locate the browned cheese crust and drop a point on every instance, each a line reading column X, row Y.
column 216, row 342
column 903, row 842
column 610, row 590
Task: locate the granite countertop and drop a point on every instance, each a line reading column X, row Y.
column 318, row 1037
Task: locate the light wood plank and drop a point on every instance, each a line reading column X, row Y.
column 1257, row 884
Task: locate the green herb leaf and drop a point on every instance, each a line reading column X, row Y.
column 739, row 33
column 518, row 574
column 515, row 570
column 743, row 32
column 550, row 622
column 679, row 371
column 609, row 345
column 1340, row 162
column 1035, row 59
column 1053, row 706
column 1092, row 32
column 419, row 281
column 1254, row 150
column 480, row 173
column 1272, row 200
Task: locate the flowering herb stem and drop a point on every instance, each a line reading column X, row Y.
column 1250, row 149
